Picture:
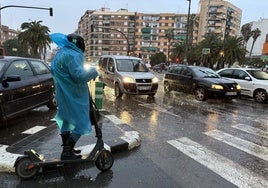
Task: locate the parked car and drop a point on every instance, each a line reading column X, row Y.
column 203, row 82
column 253, row 81
column 26, row 83
column 127, row 74
column 160, row 67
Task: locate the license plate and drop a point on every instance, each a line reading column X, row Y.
column 144, row 87
column 231, row 93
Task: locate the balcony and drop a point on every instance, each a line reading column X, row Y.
column 146, row 30
column 149, row 49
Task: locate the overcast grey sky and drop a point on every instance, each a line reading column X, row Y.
column 68, row 12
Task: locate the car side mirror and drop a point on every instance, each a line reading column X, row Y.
column 12, row 78
column 247, row 78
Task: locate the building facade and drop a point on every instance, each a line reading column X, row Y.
column 7, row 34
column 143, row 34
column 220, row 17
column 262, row 24
column 107, row 32
column 130, row 33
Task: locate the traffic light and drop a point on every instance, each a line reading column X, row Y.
column 51, row 11
column 177, row 60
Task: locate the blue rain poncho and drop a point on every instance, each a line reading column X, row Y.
column 71, row 86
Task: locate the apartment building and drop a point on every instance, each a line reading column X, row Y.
column 220, row 17
column 143, row 34
column 122, row 32
column 7, row 33
column 151, row 30
column 262, row 25
column 107, row 32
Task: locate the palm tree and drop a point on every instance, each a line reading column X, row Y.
column 193, row 23
column 170, row 36
column 35, row 37
column 213, row 42
column 234, row 50
column 246, row 32
column 255, row 34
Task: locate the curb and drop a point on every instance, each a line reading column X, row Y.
column 128, row 141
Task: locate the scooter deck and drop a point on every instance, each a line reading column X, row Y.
column 39, row 161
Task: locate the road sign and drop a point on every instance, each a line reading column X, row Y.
column 206, row 51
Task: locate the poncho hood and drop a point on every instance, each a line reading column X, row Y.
column 62, row 41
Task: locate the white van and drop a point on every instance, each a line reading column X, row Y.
column 127, row 74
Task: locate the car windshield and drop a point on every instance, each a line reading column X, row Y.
column 258, row 74
column 204, row 72
column 130, row 65
column 2, row 63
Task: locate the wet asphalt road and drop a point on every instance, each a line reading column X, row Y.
column 159, row 162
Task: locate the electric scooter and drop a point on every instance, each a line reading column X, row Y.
column 31, row 163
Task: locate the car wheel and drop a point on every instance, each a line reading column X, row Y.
column 52, row 104
column 200, row 94
column 260, row 95
column 117, row 91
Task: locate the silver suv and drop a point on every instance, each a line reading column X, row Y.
column 127, row 74
column 253, row 82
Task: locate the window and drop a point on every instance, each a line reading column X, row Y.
column 111, row 65
column 20, row 68
column 39, row 67
column 226, row 73
column 239, row 74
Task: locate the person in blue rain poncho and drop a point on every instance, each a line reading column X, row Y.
column 72, row 92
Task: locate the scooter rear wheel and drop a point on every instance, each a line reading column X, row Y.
column 22, row 169
column 104, row 160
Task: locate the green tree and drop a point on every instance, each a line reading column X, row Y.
column 246, row 32
column 234, row 50
column 35, row 37
column 255, row 34
column 177, row 51
column 14, row 48
column 170, row 36
column 193, row 23
column 214, row 43
column 158, row 58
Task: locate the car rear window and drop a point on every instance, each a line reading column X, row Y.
column 258, row 74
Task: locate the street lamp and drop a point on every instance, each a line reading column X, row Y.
column 18, row 6
column 187, row 29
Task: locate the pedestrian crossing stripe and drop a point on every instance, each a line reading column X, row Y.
column 251, row 130
column 244, row 145
column 34, row 130
column 226, row 168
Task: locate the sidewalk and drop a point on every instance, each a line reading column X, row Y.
column 117, row 137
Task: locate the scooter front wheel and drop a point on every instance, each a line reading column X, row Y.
column 104, row 161
column 23, row 169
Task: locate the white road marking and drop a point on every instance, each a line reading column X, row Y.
column 232, row 172
column 244, row 145
column 34, row 130
column 251, row 130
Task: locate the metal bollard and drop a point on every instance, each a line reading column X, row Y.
column 98, row 94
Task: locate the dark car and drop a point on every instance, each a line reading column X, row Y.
column 203, row 82
column 26, row 83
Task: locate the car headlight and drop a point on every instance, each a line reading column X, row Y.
column 238, row 87
column 216, row 86
column 155, row 80
column 128, row 80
